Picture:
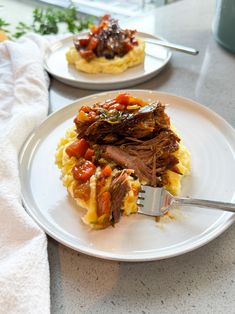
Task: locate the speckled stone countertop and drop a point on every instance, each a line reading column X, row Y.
column 202, row 281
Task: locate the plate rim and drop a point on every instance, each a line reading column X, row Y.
column 114, row 256
column 94, row 82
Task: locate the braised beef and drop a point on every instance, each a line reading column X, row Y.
column 106, row 40
column 120, row 157
column 149, row 159
column 139, row 139
column 118, row 189
column 145, row 123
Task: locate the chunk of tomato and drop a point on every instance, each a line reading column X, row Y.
column 123, row 99
column 83, row 171
column 84, row 41
column 77, row 149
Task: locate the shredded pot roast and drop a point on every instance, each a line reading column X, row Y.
column 132, row 134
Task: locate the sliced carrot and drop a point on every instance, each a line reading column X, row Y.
column 104, row 204
column 106, row 171
column 89, row 153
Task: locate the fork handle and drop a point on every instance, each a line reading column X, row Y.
column 230, row 207
column 177, row 47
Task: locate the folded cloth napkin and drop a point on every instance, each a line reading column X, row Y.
column 24, row 271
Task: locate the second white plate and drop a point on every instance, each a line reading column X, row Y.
column 156, row 58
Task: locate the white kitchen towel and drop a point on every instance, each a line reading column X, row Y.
column 24, row 270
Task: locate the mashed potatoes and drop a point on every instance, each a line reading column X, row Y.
column 66, row 165
column 174, row 185
column 103, row 65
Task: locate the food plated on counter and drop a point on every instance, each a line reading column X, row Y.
column 135, row 237
column 113, row 148
column 106, row 49
column 106, row 57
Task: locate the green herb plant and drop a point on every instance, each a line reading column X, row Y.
column 48, row 20
column 3, row 25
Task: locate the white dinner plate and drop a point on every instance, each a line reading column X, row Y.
column 55, row 62
column 211, row 142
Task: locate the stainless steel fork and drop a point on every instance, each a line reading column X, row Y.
column 157, row 202
column 177, row 47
